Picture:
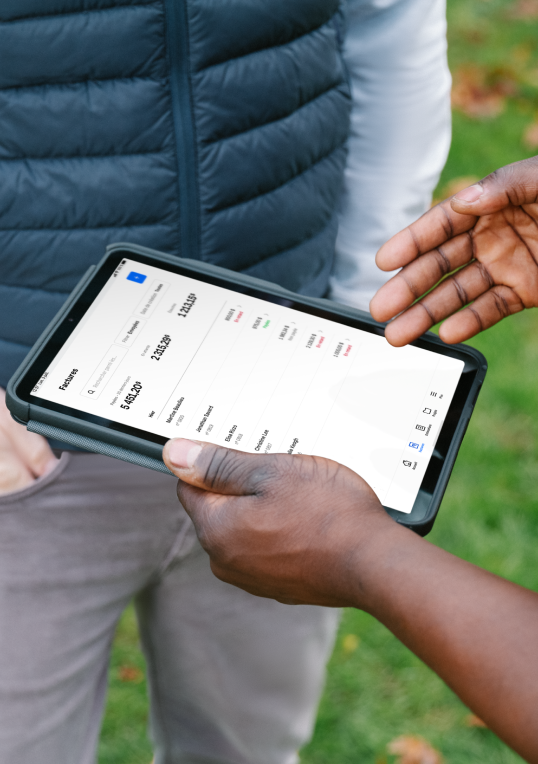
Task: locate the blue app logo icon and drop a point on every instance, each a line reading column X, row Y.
column 138, row 277
column 414, row 445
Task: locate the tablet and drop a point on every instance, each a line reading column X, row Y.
column 151, row 347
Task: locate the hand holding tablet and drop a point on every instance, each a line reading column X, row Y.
column 307, row 530
column 151, row 347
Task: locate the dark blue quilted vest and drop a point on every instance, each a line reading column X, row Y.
column 211, row 129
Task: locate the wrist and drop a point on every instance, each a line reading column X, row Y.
column 376, row 561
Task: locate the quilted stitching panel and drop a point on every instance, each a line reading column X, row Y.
column 271, row 126
column 54, row 259
column 241, row 168
column 126, row 116
column 87, row 192
column 11, row 10
column 269, row 224
column 11, row 356
column 265, row 86
column 122, row 42
column 312, row 262
column 220, row 31
column 39, row 308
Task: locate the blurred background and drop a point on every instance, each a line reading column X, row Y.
column 381, row 705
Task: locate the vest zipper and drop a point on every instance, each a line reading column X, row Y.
column 177, row 39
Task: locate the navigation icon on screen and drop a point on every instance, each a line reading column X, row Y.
column 139, row 278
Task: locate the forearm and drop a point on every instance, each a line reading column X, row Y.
column 477, row 631
column 400, row 132
column 304, row 529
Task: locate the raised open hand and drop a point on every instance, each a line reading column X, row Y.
column 486, row 236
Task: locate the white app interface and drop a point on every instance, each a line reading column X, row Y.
column 177, row 357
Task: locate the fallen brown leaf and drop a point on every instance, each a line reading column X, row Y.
column 481, row 93
column 530, row 136
column 414, row 750
column 474, row 721
column 524, row 9
column 130, row 674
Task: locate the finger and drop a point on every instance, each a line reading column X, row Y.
column 450, row 296
column 202, row 507
column 13, row 473
column 515, row 184
column 487, row 310
column 420, row 276
column 435, row 227
column 220, row 470
column 32, row 450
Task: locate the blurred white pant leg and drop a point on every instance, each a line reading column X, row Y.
column 400, row 132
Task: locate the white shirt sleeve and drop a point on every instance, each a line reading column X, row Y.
column 395, row 51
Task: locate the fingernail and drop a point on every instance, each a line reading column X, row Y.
column 182, row 453
column 470, row 194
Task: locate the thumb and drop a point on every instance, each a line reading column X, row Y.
column 516, row 184
column 216, row 469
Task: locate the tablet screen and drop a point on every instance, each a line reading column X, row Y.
column 175, row 356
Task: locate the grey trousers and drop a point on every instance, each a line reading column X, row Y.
column 233, row 679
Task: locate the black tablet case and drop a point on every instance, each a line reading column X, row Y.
column 91, row 437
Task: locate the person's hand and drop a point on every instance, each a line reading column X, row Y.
column 279, row 526
column 24, row 456
column 490, row 232
column 303, row 529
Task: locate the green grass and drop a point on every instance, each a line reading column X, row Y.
column 124, row 739
column 490, row 517
column 490, row 512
